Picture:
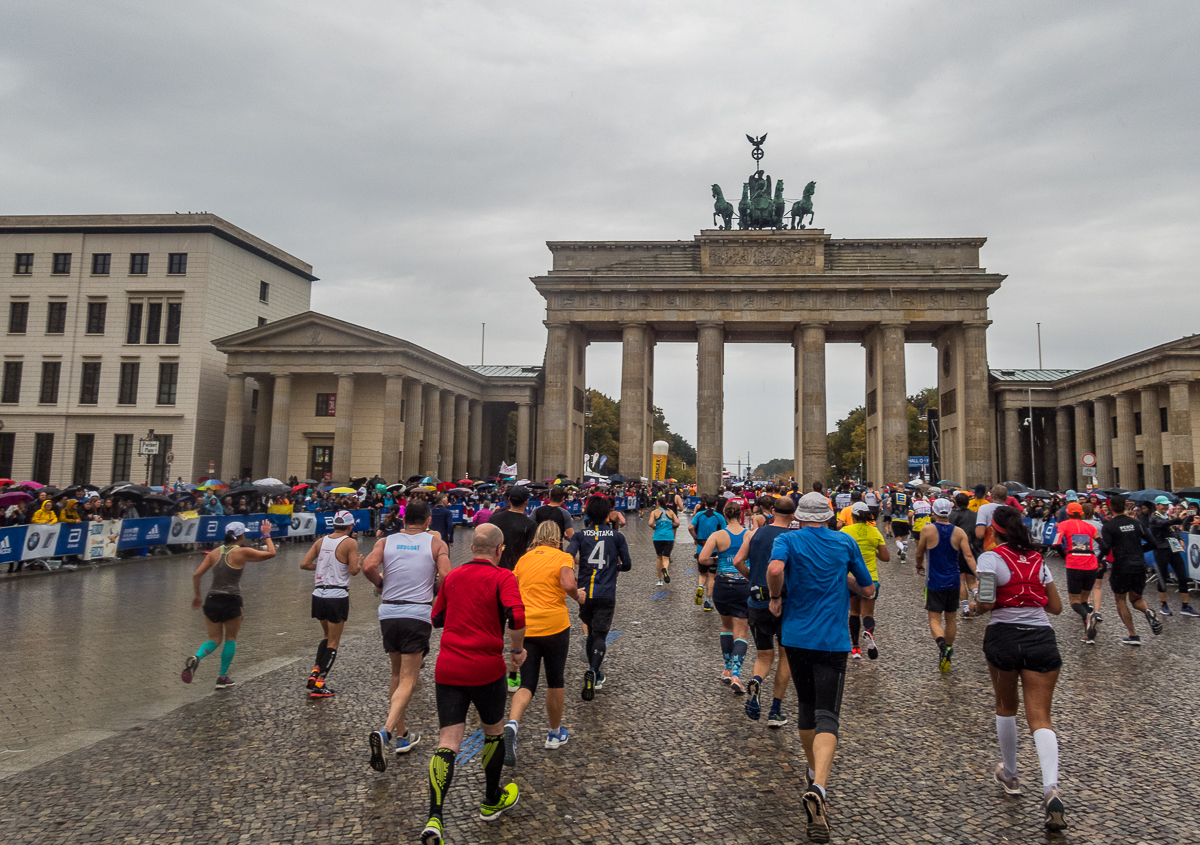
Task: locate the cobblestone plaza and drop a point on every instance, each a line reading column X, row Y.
column 101, row 742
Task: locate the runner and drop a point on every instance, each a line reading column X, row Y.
column 1127, row 539
column 1016, row 586
column 1076, row 542
column 871, row 499
column 223, row 603
column 475, row 602
column 406, row 568
column 845, row 515
column 764, row 510
column 898, row 500
column 922, row 510
column 664, row 521
column 873, row 547
column 335, row 563
column 984, row 533
column 555, row 511
column 965, row 518
column 731, row 591
column 813, row 565
column 518, row 532
column 602, row 552
column 944, row 543
column 704, row 522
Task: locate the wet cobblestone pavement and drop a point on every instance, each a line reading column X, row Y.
column 663, row 755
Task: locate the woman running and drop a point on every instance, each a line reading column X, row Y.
column 223, row 604
column 664, row 522
column 1016, row 586
column 731, row 592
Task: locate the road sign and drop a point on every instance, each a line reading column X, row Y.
column 170, row 458
column 147, row 447
column 1089, row 460
column 1090, row 472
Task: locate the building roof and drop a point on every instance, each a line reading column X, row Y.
column 1031, row 375
column 505, row 370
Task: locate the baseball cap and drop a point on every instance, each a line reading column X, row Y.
column 942, row 507
column 859, row 508
column 980, row 490
column 1161, row 500
column 519, row 494
column 1072, row 496
column 1075, row 509
column 341, row 519
column 237, row 529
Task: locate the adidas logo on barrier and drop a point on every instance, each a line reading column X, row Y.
column 152, row 534
column 5, row 547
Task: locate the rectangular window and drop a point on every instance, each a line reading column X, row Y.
column 127, row 388
column 96, row 313
column 133, row 328
column 1163, row 423
column 262, row 321
column 1137, row 425
column 81, row 472
column 122, row 456
column 264, row 292
column 56, row 318
column 11, row 391
column 326, row 404
column 174, row 318
column 948, row 403
column 18, row 316
column 51, row 370
column 1113, row 420
column 43, row 455
column 1167, row 475
column 89, row 384
column 322, row 462
column 8, row 443
column 101, row 262
column 158, row 464
column 139, row 263
column 153, row 321
column 177, row 263
column 253, row 400
column 24, row 264
column 872, row 403
column 168, row 382
column 62, row 263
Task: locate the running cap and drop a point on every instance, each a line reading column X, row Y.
column 980, row 490
column 1072, row 496
column 814, row 507
column 237, row 529
column 1075, row 509
column 1161, row 500
column 859, row 508
column 342, row 519
column 942, row 507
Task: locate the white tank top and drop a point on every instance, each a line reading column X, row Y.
column 409, row 573
column 333, row 576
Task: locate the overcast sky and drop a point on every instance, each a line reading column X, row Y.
column 419, row 155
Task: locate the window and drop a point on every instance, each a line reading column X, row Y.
column 51, row 370
column 1163, row 422
column 1167, row 475
column 24, row 264
column 56, row 318
column 264, row 292
column 43, row 454
column 133, row 328
column 62, row 263
column 1137, row 425
column 174, row 318
column 153, row 321
column 1113, row 420
column 253, row 400
column 139, row 263
column 948, row 403
column 18, row 316
column 872, row 403
column 158, row 463
column 177, row 263
column 326, row 404
column 262, row 321
column 127, row 388
column 122, row 456
column 168, row 381
column 101, row 262
column 8, row 442
column 89, row 385
column 96, row 313
column 81, row 472
column 11, row 391
column 322, row 462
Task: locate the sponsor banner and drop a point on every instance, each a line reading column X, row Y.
column 212, row 528
column 691, row 502
column 1193, row 556
column 40, row 541
column 302, row 525
column 12, row 543
column 575, row 508
column 458, row 513
column 362, row 521
column 72, row 538
column 140, row 533
column 102, row 539
column 183, row 530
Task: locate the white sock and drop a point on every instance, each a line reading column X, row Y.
column 812, row 775
column 1047, row 750
column 1006, row 731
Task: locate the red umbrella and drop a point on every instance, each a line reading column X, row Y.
column 447, row 485
column 465, row 482
column 299, row 487
column 5, row 482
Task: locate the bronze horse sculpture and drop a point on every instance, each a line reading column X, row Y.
column 803, row 208
column 721, row 208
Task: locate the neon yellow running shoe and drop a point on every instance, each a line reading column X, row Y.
column 508, row 799
column 433, row 834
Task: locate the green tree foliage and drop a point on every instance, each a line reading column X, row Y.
column 604, row 437
column 774, row 468
column 847, row 444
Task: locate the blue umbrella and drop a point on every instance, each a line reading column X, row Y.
column 1150, row 496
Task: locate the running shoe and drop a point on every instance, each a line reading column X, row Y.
column 379, row 741
column 1088, row 640
column 1090, row 625
column 666, row 575
column 1165, row 611
column 1056, row 814
column 322, row 690
column 1134, row 640
column 589, row 685
column 727, row 676
column 775, row 719
column 224, row 682
column 736, row 684
column 1186, row 610
column 433, row 834
column 314, row 676
column 944, row 662
column 753, row 710
column 708, row 606
column 514, row 684
column 189, row 667
column 1155, row 624
column 556, row 738
column 1099, row 617
column 856, row 653
column 814, row 808
column 1012, row 785
column 659, row 583
column 509, row 796
column 872, row 649
column 406, row 743
column 699, row 594
column 510, row 743
column 600, row 679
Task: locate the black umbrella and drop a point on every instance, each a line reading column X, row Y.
column 116, row 485
column 618, row 479
column 132, row 490
column 158, row 497
column 1016, row 487
column 1151, row 495
column 1041, row 494
column 1114, row 491
column 1190, row 492
column 244, row 490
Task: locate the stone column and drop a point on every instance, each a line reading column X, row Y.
column 281, row 426
column 812, row 458
column 475, row 441
column 633, row 400
column 462, row 419
column 973, row 405
column 893, row 406
column 710, row 405
column 231, row 450
column 1126, row 455
column 1152, row 450
column 648, row 440
column 431, row 446
column 262, row 428
column 1012, row 446
column 1050, row 453
column 1083, row 443
column 343, row 428
column 523, row 468
column 393, row 428
column 1102, row 414
column 1062, row 422
column 413, row 411
column 446, row 464
column 558, row 399
column 1183, row 467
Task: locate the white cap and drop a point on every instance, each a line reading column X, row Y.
column 813, row 507
column 860, row 508
column 237, row 529
column 942, row 507
column 341, row 519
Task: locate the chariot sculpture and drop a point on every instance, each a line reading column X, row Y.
column 760, row 207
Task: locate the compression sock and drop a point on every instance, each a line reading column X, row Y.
column 739, row 655
column 441, row 772
column 1080, row 608
column 1006, row 732
column 205, row 650
column 777, row 707
column 727, row 649
column 855, row 624
column 941, row 642
column 868, row 623
column 493, row 764
column 321, row 647
column 1047, row 751
column 330, row 656
column 227, row 652
column 599, row 647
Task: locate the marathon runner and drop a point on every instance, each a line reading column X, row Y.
column 898, row 500
column 984, row 533
column 704, row 522
column 602, row 552
column 871, row 499
column 873, row 547
column 1076, row 541
column 964, row 518
column 664, row 521
column 921, row 511
column 335, row 563
column 1128, row 539
column 944, row 543
column 731, row 591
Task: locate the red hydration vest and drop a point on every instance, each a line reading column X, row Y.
column 1024, row 587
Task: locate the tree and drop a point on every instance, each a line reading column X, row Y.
column 603, row 429
column 847, row 444
column 775, row 468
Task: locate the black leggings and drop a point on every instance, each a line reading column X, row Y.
column 819, row 677
column 1166, row 560
column 597, row 614
column 552, row 650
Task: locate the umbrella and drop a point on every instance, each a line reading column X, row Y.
column 1016, row 487
column 446, row 485
column 396, row 488
column 1151, row 495
column 15, row 497
column 429, row 479
column 1189, row 492
column 4, row 482
column 273, row 490
column 1041, row 494
column 299, row 487
column 268, row 482
column 618, row 479
column 344, row 491
column 947, row 483
column 243, row 490
column 132, row 490
column 32, row 485
column 465, row 482
column 158, row 497
column 309, row 481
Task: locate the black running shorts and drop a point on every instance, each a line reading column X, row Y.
column 941, row 601
column 453, row 702
column 1131, row 581
column 222, row 607
column 406, row 636
column 550, row 650
column 900, row 529
column 331, row 609
column 663, row 548
column 819, row 678
column 706, row 568
column 597, row 614
column 730, row 597
column 1013, row 648
column 1081, row 580
column 765, row 627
